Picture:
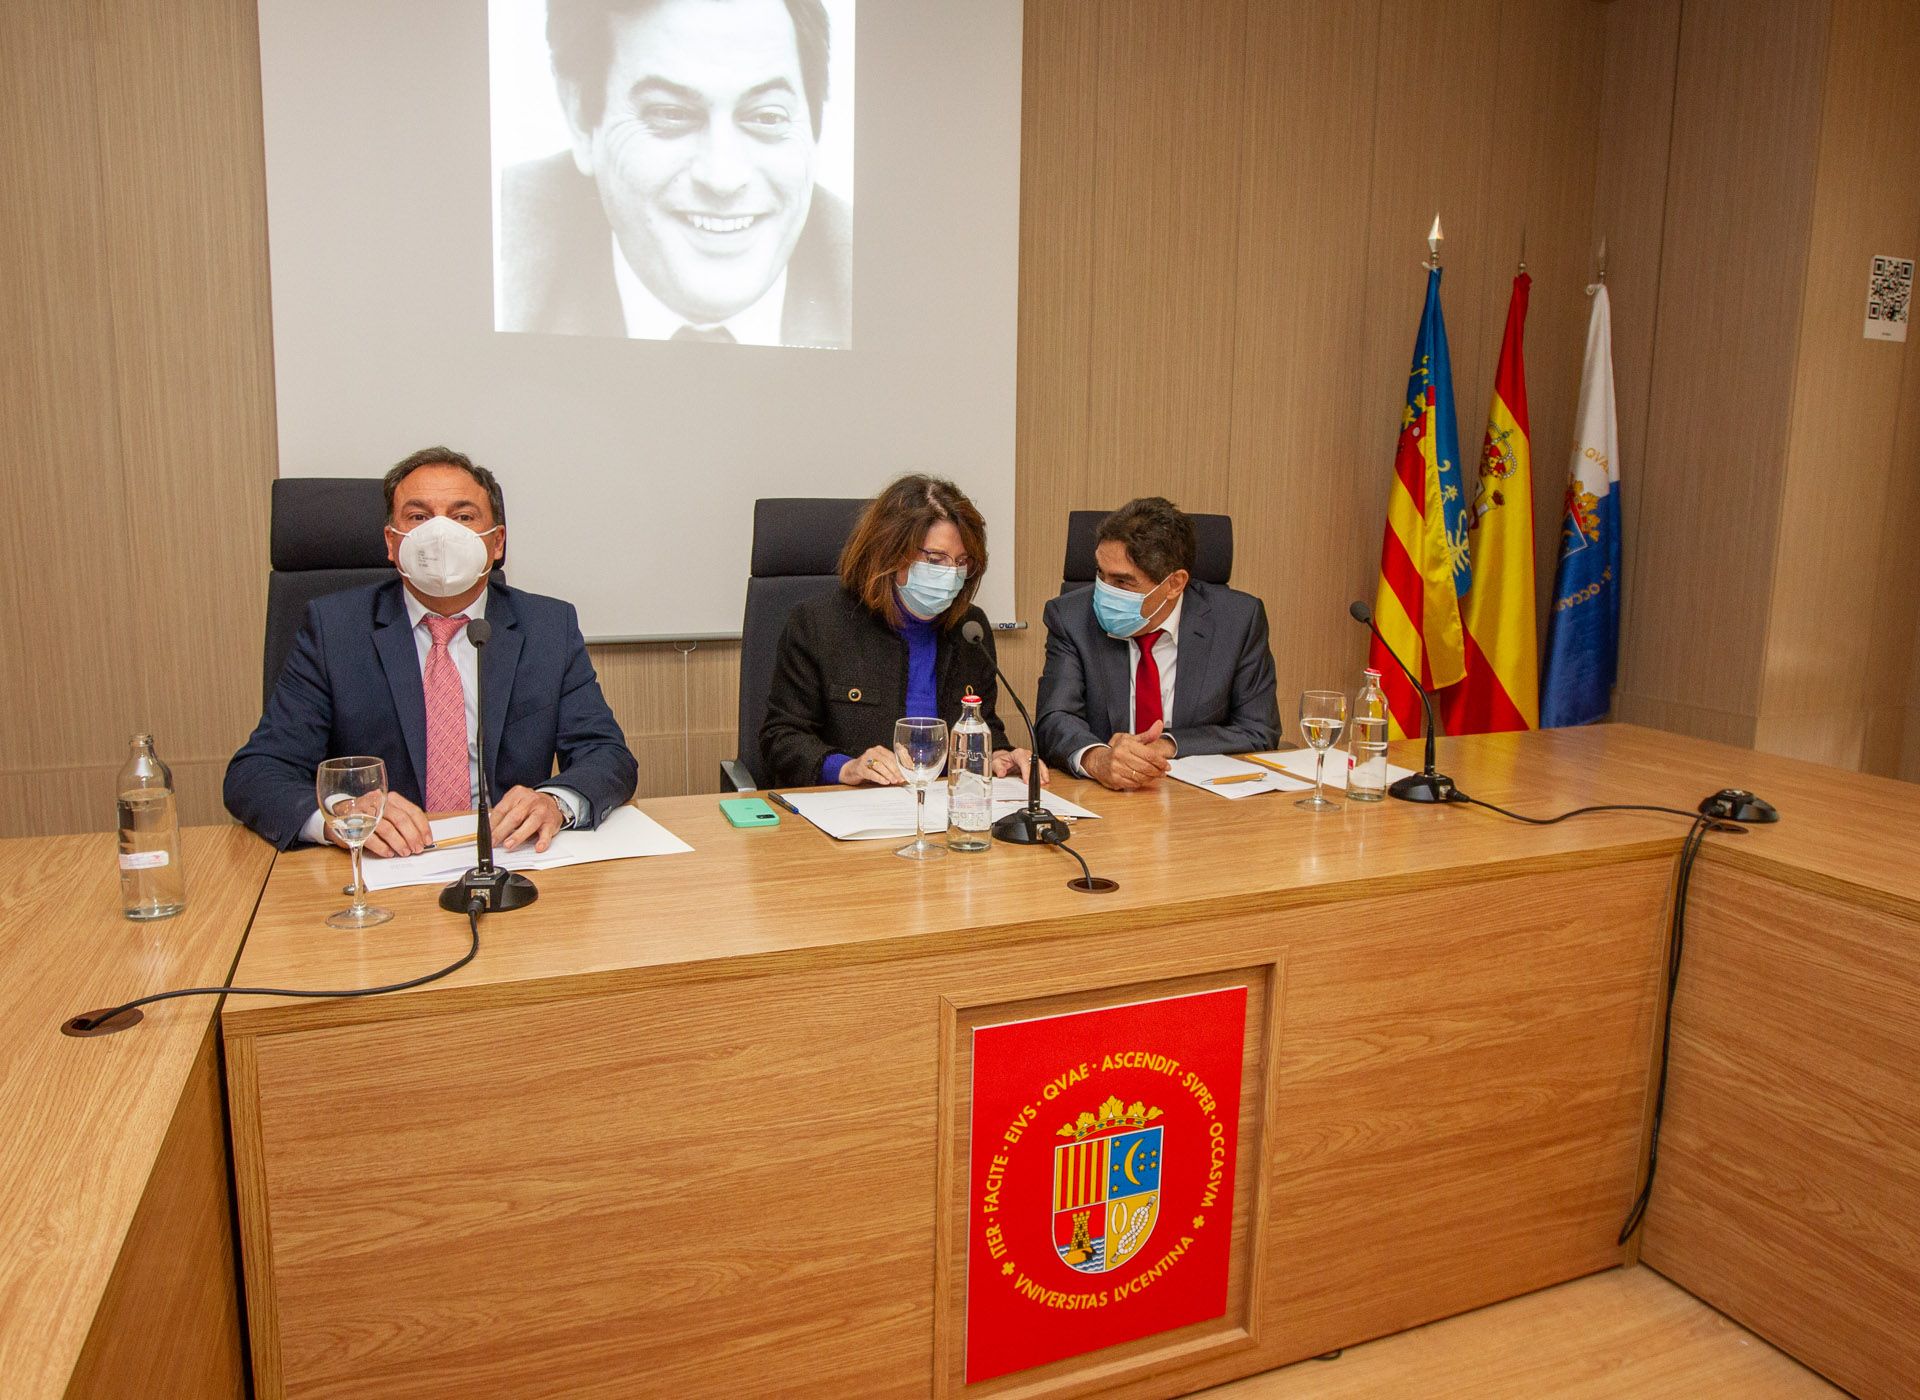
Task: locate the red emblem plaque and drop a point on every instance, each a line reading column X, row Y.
column 1100, row 1205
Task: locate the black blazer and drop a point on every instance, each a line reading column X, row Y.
column 840, row 681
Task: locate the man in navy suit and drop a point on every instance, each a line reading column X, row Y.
column 1149, row 662
column 388, row 670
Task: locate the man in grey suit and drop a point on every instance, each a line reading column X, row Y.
column 686, row 208
column 1150, row 663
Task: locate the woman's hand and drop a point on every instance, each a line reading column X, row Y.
column 1006, row 761
column 876, row 765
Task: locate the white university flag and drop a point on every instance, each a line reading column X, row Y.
column 1583, row 632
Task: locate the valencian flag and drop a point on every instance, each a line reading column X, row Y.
column 1424, row 561
column 1501, row 689
column 1583, row 634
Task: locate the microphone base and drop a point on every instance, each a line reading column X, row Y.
column 497, row 890
column 1423, row 787
column 1031, row 828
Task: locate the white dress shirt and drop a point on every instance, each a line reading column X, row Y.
column 1166, row 655
column 648, row 318
column 466, row 660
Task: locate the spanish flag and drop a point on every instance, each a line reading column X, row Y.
column 1424, row 563
column 1501, row 690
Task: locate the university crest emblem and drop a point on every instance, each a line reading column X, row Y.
column 1106, row 1186
column 1082, row 1233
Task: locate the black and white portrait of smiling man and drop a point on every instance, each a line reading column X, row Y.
column 697, row 175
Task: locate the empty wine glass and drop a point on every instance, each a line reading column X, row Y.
column 353, row 795
column 1323, row 714
column 920, row 747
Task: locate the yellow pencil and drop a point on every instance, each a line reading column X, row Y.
column 1237, row 778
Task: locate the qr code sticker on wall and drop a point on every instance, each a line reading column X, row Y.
column 1889, row 298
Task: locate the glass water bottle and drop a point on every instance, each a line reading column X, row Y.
column 152, row 883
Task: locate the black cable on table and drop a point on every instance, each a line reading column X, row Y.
column 1462, row 797
column 1059, row 843
column 100, row 1018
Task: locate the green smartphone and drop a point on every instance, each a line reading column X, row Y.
column 748, row 811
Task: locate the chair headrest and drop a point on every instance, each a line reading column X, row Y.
column 1213, row 547
column 327, row 522
column 801, row 535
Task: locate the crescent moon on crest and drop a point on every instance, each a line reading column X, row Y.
column 1127, row 1166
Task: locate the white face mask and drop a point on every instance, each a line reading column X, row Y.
column 443, row 558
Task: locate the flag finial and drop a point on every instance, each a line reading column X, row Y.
column 1600, row 261
column 1433, row 242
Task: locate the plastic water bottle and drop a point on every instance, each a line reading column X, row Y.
column 152, row 883
column 1367, row 743
column 970, row 778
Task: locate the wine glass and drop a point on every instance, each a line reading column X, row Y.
column 1323, row 714
column 920, row 747
column 353, row 794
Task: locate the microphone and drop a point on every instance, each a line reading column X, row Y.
column 1428, row 786
column 1034, row 824
column 485, row 888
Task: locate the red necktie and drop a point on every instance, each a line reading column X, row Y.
column 1146, row 684
column 449, row 780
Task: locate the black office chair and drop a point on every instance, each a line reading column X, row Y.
column 326, row 536
column 1213, row 552
column 796, row 556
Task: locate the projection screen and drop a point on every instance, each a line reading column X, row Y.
column 614, row 252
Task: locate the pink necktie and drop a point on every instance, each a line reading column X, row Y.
column 449, row 782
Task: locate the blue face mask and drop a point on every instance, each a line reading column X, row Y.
column 1119, row 613
column 931, row 588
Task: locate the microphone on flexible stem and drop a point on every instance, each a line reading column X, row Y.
column 1427, row 786
column 1033, row 825
column 492, row 889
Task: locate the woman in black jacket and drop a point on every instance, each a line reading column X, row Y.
column 887, row 645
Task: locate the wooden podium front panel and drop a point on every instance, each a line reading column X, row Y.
column 1788, row 1194
column 723, row 1179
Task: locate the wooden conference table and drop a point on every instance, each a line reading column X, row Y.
column 116, row 1239
column 699, row 1125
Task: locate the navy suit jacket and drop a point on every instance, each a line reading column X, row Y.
column 1223, row 681
column 352, row 685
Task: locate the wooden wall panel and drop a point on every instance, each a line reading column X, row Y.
column 65, row 579
column 1167, row 168
column 137, row 443
column 1851, row 501
column 1893, row 670
column 181, row 194
column 1738, row 216
column 1544, row 177
column 1629, row 223
column 1059, row 110
column 1307, row 491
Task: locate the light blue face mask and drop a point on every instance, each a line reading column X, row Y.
column 1119, row 613
column 931, row 588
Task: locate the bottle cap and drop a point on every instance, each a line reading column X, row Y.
column 969, row 699
column 1371, row 672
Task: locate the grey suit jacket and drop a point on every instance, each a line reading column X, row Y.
column 557, row 260
column 1222, row 688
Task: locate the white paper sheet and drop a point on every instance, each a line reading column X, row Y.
column 1299, row 762
column 881, row 814
column 1200, row 770
column 627, row 833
